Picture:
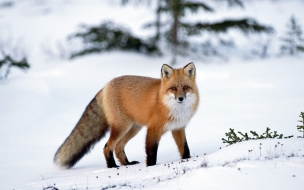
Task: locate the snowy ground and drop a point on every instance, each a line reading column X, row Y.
column 278, row 165
column 39, row 108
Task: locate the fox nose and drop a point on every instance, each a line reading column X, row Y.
column 181, row 99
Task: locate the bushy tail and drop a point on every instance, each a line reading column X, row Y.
column 91, row 127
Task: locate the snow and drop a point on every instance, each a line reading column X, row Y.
column 233, row 168
column 39, row 108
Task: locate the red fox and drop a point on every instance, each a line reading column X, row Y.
column 128, row 103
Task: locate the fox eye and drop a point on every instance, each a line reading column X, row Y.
column 185, row 87
column 173, row 88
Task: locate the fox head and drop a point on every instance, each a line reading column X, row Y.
column 180, row 93
column 179, row 83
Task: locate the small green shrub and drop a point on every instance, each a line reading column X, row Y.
column 301, row 127
column 233, row 137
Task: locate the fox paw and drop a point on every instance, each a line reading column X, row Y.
column 113, row 166
column 133, row 163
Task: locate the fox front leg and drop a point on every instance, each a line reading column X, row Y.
column 181, row 142
column 152, row 141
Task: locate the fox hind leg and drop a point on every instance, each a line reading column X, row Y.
column 115, row 136
column 119, row 149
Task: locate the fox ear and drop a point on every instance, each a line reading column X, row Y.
column 190, row 70
column 166, row 71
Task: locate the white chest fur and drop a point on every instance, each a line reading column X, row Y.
column 180, row 113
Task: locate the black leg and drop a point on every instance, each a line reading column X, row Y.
column 110, row 161
column 110, row 158
column 186, row 151
column 127, row 161
column 151, row 154
column 152, row 141
column 181, row 142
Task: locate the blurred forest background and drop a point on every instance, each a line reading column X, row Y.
column 179, row 29
column 55, row 55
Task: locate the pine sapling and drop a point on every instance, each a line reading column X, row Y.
column 301, row 127
column 232, row 137
column 255, row 134
column 267, row 134
column 246, row 137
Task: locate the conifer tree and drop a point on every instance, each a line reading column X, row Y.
column 177, row 32
column 109, row 36
column 293, row 42
column 170, row 27
column 11, row 56
column 7, row 62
